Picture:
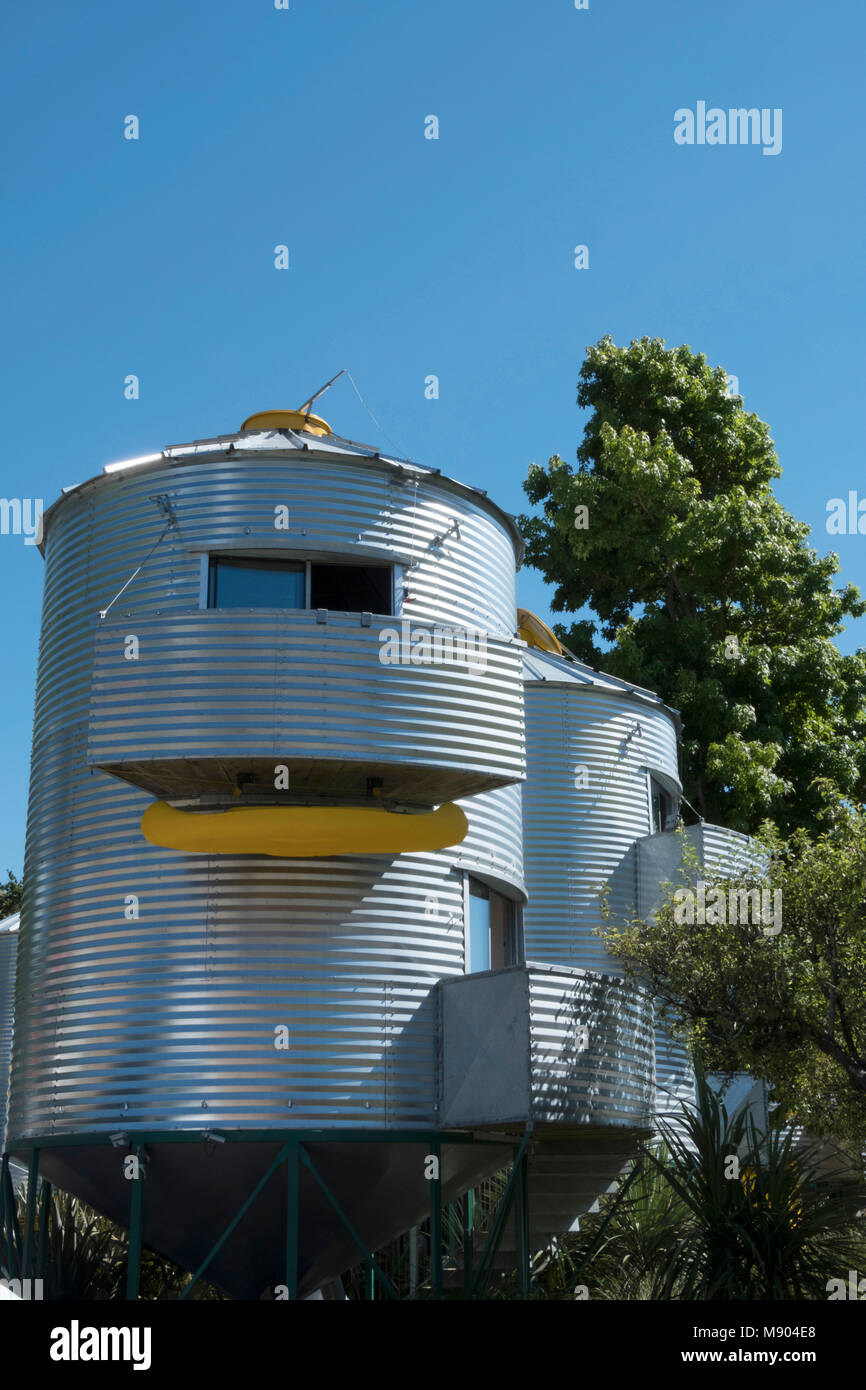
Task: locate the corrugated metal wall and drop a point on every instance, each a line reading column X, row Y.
column 592, row 1048
column 212, row 692
column 494, row 844
column 577, row 839
column 8, row 951
column 167, row 1018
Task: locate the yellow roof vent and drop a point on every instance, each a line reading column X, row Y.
column 300, row 419
column 287, row 420
column 535, row 633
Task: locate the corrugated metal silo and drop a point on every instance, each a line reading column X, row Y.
column 152, row 982
column 594, row 746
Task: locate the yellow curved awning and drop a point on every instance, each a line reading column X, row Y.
column 302, row 832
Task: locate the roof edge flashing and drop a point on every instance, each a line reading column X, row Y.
column 330, row 446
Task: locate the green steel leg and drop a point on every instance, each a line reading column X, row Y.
column 136, row 1207
column 413, row 1261
column 44, row 1218
column 5, row 1262
column 436, row 1222
column 30, row 1219
column 521, row 1218
column 280, row 1158
column 486, row 1264
column 468, row 1241
column 369, row 1281
column 13, row 1235
column 292, row 1218
column 368, row 1254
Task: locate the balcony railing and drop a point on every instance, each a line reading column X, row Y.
column 548, row 1044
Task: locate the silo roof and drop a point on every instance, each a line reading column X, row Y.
column 10, row 923
column 282, row 441
column 560, row 670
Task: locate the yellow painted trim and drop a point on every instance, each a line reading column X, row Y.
column 287, row 420
column 537, row 634
column 302, row 832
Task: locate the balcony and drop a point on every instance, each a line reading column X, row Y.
column 215, row 699
column 657, row 859
column 547, row 1044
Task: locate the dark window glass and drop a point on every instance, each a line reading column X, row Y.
column 235, row 582
column 351, row 588
column 664, row 808
column 502, row 943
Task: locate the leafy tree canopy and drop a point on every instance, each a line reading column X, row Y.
column 784, row 1002
column 705, row 584
column 10, row 895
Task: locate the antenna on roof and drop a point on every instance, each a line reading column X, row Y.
column 305, row 408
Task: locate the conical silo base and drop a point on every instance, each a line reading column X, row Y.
column 195, row 1189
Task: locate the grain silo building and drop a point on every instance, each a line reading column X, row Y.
column 294, row 768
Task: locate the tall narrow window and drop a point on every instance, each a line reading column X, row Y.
column 502, row 934
column 479, row 926
column 664, row 808
column 492, row 937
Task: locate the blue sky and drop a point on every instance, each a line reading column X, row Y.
column 408, row 256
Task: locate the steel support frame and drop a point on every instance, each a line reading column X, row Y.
column 30, row 1216
column 468, row 1242
column 136, row 1218
column 44, row 1218
column 9, row 1229
column 436, row 1219
column 517, row 1186
column 22, row 1254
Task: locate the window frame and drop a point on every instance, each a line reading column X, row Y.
column 515, row 950
column 656, row 781
column 333, row 560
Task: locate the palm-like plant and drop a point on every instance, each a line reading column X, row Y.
column 718, row 1211
column 619, row 1250
column 85, row 1254
column 759, row 1223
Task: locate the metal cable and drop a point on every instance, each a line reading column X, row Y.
column 103, row 612
column 399, row 447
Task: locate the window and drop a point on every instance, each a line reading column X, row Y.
column 351, row 588
column 236, row 581
column 491, row 939
column 665, row 810
column 479, row 926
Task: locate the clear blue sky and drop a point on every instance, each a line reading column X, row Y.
column 411, row 256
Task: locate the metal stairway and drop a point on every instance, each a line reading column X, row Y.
column 566, row 1177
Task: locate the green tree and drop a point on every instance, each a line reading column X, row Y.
column 10, row 895
column 789, row 1004
column 705, row 585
